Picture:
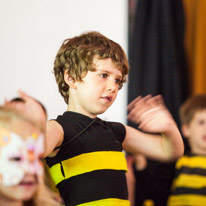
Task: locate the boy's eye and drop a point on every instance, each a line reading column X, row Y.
column 15, row 159
column 103, row 75
column 118, row 81
column 201, row 122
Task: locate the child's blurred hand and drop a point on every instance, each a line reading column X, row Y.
column 30, row 106
column 150, row 113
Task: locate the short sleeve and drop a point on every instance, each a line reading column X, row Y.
column 119, row 130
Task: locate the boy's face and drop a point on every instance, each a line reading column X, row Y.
column 196, row 132
column 98, row 90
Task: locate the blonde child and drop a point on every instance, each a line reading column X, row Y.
column 189, row 183
column 19, row 105
column 84, row 153
column 21, row 155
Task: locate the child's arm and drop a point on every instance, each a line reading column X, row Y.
column 53, row 131
column 152, row 116
column 131, row 181
column 54, row 137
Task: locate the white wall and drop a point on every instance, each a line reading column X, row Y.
column 31, row 32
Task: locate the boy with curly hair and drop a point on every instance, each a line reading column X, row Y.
column 84, row 152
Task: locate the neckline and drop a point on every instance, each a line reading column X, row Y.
column 79, row 116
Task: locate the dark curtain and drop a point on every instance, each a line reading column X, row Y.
column 158, row 66
column 156, row 53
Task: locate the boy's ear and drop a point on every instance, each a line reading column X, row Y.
column 185, row 130
column 69, row 80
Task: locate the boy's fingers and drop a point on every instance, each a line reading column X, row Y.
column 140, row 100
column 132, row 103
column 157, row 100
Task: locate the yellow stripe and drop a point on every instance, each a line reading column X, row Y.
column 88, row 162
column 56, row 174
column 188, row 200
column 196, row 161
column 191, row 181
column 107, row 202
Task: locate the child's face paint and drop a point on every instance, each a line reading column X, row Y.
column 19, row 156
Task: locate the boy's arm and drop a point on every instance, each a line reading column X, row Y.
column 150, row 113
column 54, row 137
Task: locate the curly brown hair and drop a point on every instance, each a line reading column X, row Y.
column 76, row 55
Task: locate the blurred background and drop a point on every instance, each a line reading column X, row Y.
column 165, row 41
column 167, row 49
column 167, row 55
column 32, row 33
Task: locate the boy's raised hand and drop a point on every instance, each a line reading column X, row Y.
column 150, row 113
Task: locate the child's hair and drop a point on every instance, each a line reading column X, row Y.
column 10, row 115
column 43, row 195
column 190, row 107
column 76, row 57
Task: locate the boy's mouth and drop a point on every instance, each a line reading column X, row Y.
column 107, row 98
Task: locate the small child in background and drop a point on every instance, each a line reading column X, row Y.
column 189, row 185
column 21, row 155
column 18, row 104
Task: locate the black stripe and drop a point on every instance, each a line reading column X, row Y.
column 184, row 190
column 94, row 186
column 192, row 171
column 77, row 135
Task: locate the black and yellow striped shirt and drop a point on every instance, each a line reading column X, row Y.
column 90, row 170
column 189, row 185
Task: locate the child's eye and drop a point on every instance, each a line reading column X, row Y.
column 103, row 75
column 119, row 82
column 201, row 122
column 15, row 159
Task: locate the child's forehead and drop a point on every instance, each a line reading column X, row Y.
column 21, row 127
column 106, row 64
column 201, row 113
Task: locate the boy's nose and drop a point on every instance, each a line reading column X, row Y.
column 112, row 86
